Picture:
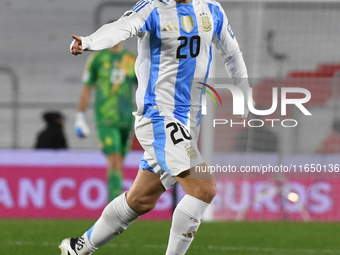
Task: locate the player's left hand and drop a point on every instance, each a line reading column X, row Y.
column 76, row 46
column 81, row 128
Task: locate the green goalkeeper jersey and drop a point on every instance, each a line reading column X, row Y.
column 114, row 78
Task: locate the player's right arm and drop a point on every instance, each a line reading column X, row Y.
column 111, row 34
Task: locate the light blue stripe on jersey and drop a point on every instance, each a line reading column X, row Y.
column 199, row 114
column 137, row 5
column 153, row 21
column 218, row 19
column 141, row 7
column 144, row 165
column 186, row 66
column 159, row 142
column 209, row 62
column 89, row 232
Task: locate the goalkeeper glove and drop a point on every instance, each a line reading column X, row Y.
column 80, row 125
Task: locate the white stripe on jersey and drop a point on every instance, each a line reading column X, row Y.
column 165, row 89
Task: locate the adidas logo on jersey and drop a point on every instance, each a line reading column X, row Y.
column 170, row 27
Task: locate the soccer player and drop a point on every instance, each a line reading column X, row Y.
column 175, row 41
column 111, row 73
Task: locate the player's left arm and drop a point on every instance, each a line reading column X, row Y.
column 89, row 79
column 84, row 98
column 228, row 47
column 81, row 128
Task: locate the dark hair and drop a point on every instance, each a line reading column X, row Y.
column 52, row 118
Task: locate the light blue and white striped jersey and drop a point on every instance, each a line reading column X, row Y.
column 174, row 46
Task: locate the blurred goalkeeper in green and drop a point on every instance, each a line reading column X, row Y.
column 111, row 73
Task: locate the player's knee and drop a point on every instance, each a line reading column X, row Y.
column 114, row 161
column 211, row 193
column 207, row 193
column 141, row 205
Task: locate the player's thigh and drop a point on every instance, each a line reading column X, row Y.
column 110, row 139
column 145, row 191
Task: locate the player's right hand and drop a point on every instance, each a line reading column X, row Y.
column 76, row 46
column 81, row 128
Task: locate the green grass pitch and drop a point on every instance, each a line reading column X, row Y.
column 41, row 237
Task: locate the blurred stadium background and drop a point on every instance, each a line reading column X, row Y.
column 291, row 43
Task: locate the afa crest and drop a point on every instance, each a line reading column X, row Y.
column 205, row 22
column 192, row 154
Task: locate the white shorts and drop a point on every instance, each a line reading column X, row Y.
column 170, row 147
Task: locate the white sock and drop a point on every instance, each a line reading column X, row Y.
column 185, row 222
column 116, row 217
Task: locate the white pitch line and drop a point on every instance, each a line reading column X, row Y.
column 269, row 249
column 257, row 249
column 196, row 247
